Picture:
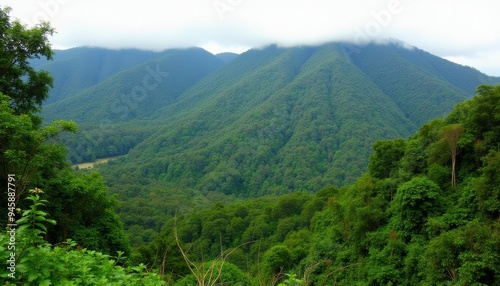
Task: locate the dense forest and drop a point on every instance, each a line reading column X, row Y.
column 426, row 212
column 257, row 169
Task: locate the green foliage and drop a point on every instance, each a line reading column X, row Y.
column 291, row 280
column 414, row 203
column 22, row 147
column 488, row 185
column 277, row 259
column 79, row 203
column 32, row 159
column 39, row 263
column 85, row 212
column 32, row 224
column 26, row 86
column 386, row 156
column 465, row 255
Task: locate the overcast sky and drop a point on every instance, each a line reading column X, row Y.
column 463, row 31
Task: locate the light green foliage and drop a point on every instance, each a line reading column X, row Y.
column 39, row 263
column 291, row 280
column 33, row 223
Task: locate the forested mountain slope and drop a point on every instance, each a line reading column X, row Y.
column 281, row 119
column 418, row 82
column 246, row 138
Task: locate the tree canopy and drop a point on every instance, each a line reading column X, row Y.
column 26, row 86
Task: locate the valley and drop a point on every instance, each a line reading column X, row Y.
column 90, row 165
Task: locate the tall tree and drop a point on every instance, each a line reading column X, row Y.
column 26, row 87
column 451, row 134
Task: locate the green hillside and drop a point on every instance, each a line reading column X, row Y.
column 138, row 91
column 245, row 140
column 399, row 72
column 109, row 113
column 79, row 68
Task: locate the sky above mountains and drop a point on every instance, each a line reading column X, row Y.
column 463, row 31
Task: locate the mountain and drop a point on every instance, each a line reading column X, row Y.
column 227, row 57
column 136, row 92
column 270, row 120
column 400, row 72
column 79, row 68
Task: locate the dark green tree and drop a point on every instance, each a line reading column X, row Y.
column 488, row 185
column 386, row 157
column 26, row 86
column 277, row 259
column 414, row 202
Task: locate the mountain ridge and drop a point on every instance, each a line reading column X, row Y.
column 239, row 126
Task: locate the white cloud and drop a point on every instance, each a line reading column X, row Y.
column 461, row 30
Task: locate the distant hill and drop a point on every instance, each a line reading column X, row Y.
column 271, row 120
column 79, row 68
column 133, row 92
column 227, row 57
